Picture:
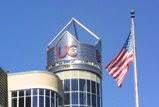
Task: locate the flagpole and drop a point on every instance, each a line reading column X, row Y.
column 135, row 63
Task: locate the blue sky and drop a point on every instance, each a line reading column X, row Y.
column 26, row 27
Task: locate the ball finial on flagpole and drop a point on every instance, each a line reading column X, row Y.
column 132, row 12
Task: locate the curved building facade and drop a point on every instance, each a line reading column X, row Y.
column 34, row 89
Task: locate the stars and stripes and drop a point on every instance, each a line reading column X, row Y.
column 118, row 67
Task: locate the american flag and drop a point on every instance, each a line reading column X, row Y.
column 118, row 67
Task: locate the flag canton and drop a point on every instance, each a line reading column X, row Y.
column 129, row 43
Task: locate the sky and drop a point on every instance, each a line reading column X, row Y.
column 26, row 27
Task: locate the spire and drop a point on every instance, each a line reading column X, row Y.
column 78, row 30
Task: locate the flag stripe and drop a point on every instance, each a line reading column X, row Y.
column 120, row 63
column 114, row 66
column 125, row 63
column 118, row 57
column 121, row 78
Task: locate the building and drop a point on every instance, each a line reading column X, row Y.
column 3, row 88
column 73, row 76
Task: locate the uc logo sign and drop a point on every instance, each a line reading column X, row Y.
column 66, row 51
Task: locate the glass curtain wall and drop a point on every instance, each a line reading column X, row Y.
column 82, row 93
column 36, row 98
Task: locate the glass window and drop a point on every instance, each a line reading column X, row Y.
column 83, row 98
column 93, row 101
column 35, row 92
column 47, row 92
column 66, row 98
column 74, row 85
column 60, row 101
column 52, row 102
column 52, row 94
column 28, row 92
column 14, row 102
column 98, row 101
column 88, row 85
column 75, row 98
column 41, row 101
column 34, row 101
column 88, row 99
column 21, row 102
column 66, row 85
column 28, row 101
column 56, row 100
column 41, row 91
column 21, row 93
column 47, row 102
column 98, row 89
column 14, row 94
column 93, row 87
column 83, row 92
column 82, row 83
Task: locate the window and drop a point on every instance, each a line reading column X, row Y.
column 21, row 93
column 28, row 92
column 83, row 98
column 47, row 102
column 83, row 93
column 93, row 101
column 98, row 101
column 47, row 92
column 57, row 100
column 98, row 89
column 21, row 102
column 34, row 92
column 74, row 98
column 41, row 101
column 88, row 86
column 74, row 84
column 60, row 101
column 52, row 102
column 82, row 85
column 30, row 97
column 28, row 101
column 67, row 98
column 52, row 94
column 41, row 92
column 66, row 85
column 47, row 98
column 14, row 94
column 93, row 87
column 14, row 102
column 35, row 101
column 88, row 99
